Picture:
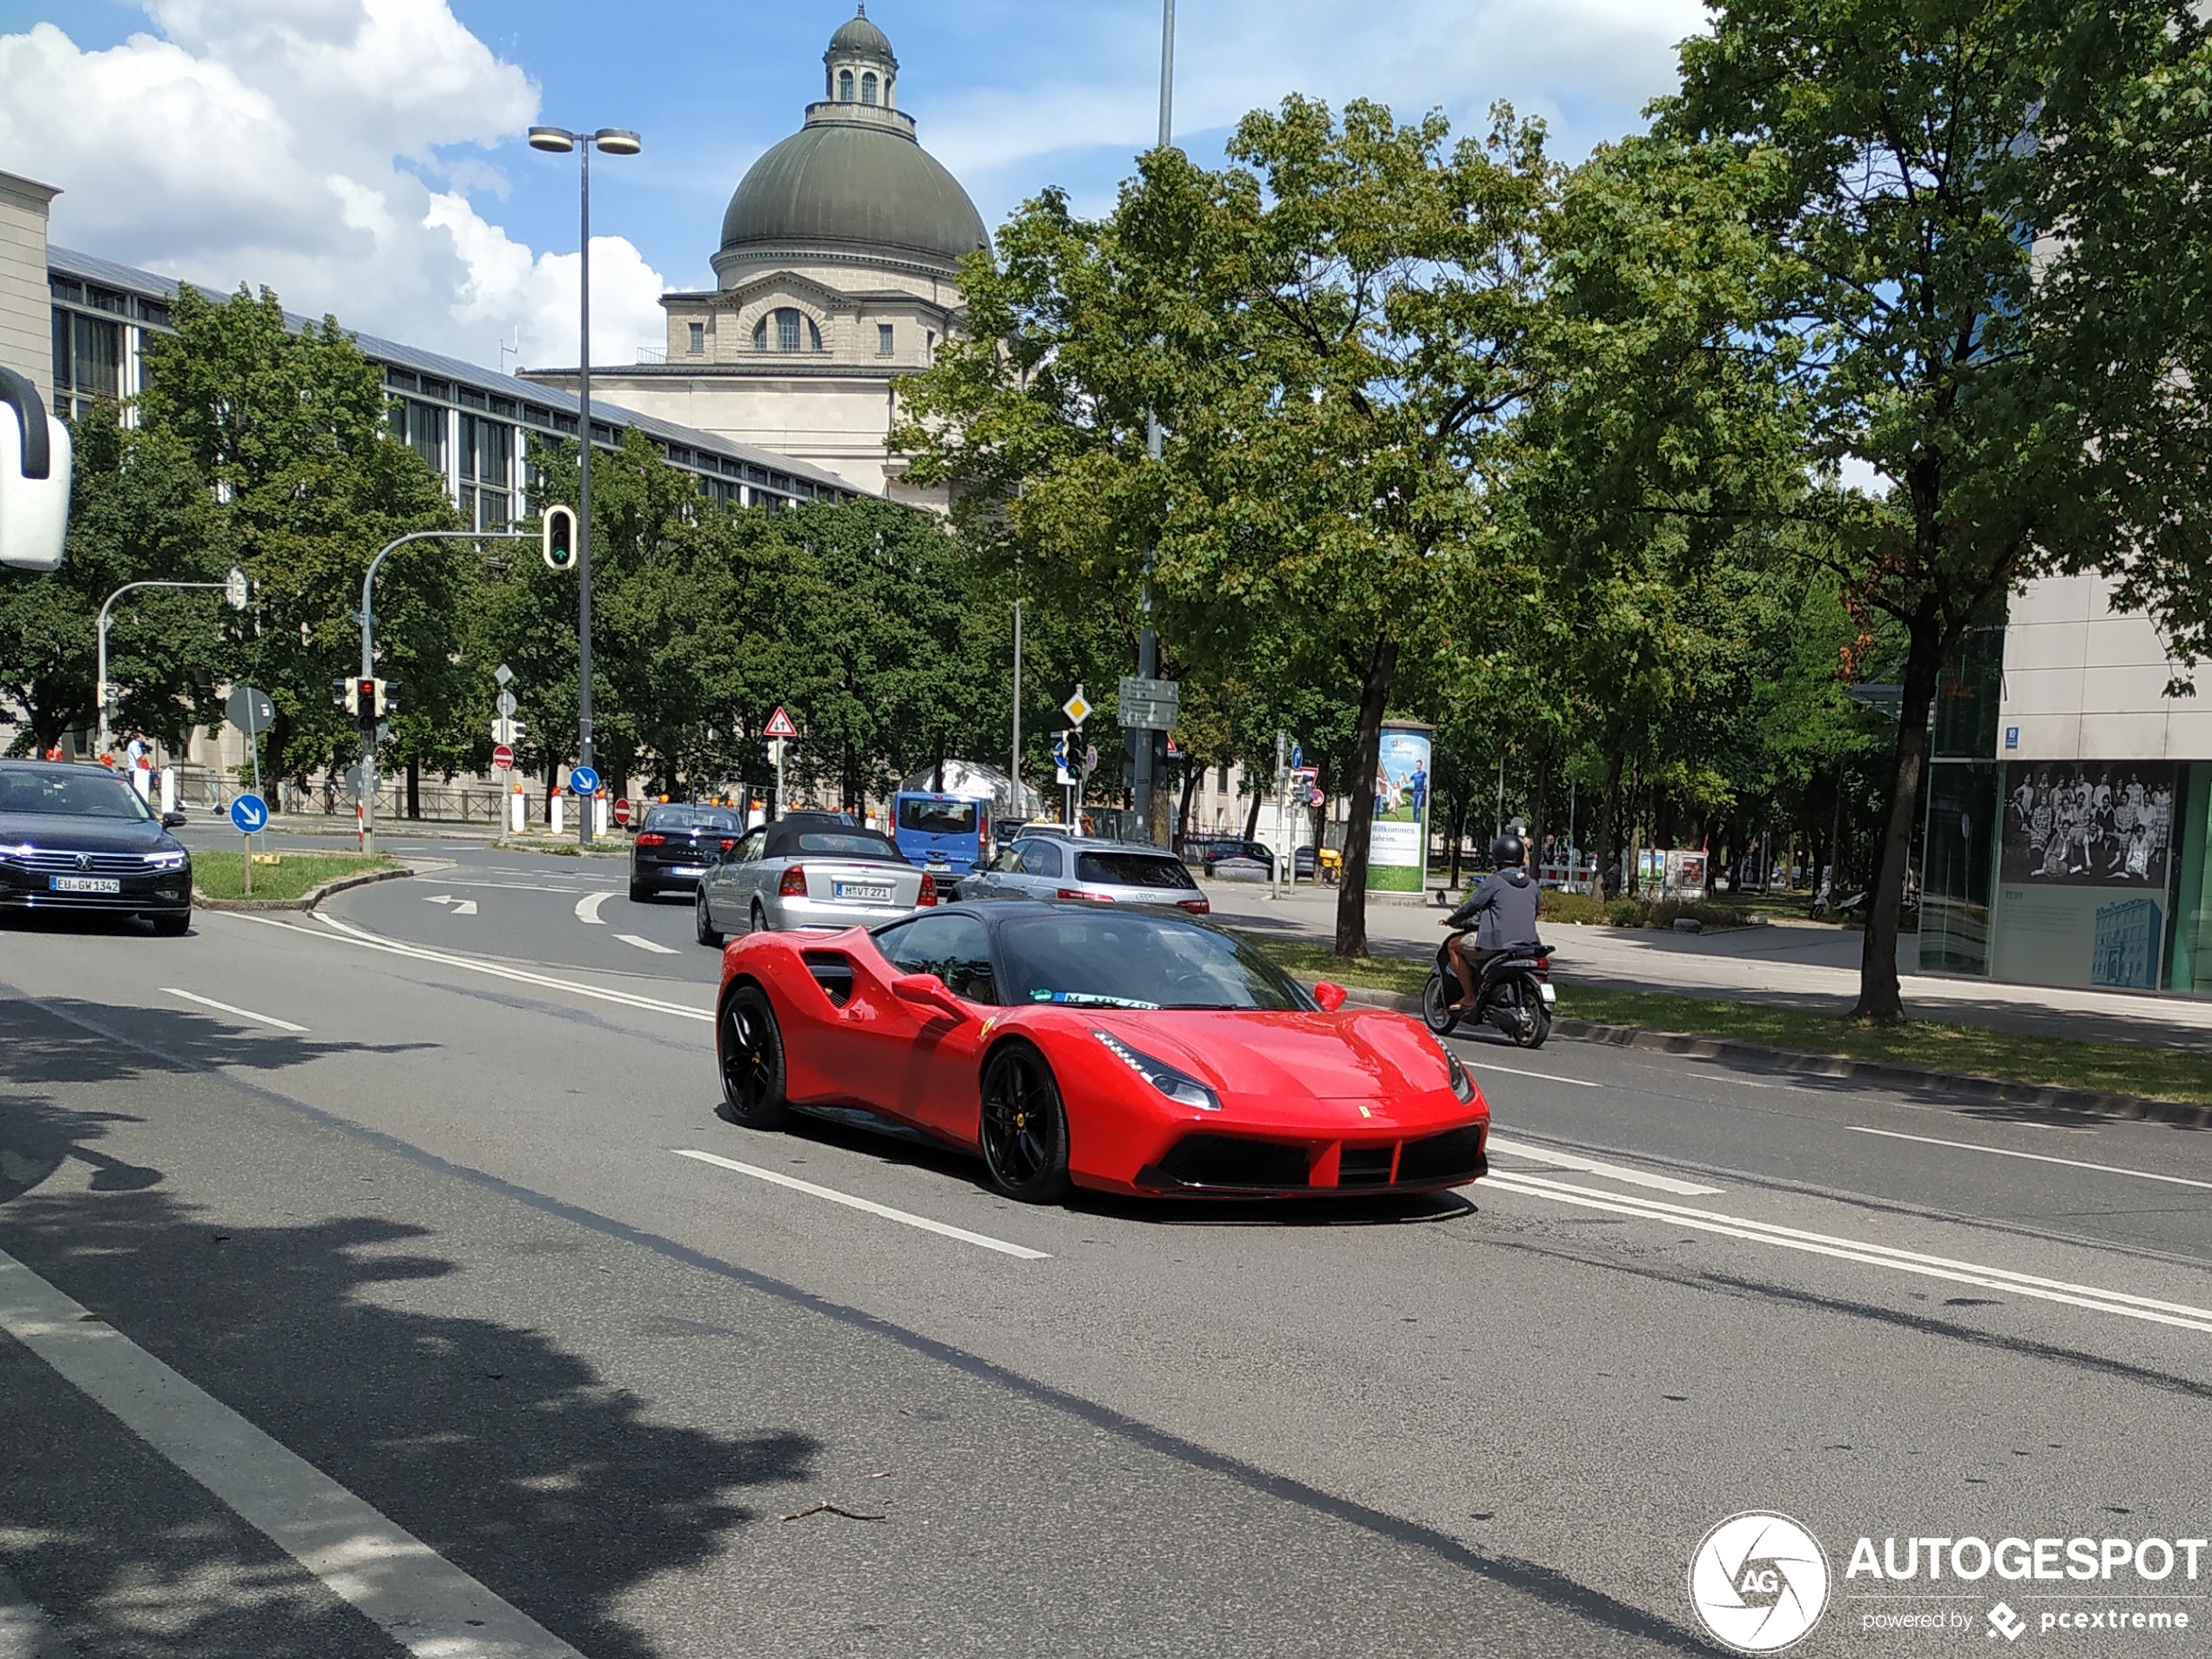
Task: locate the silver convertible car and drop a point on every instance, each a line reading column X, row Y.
column 808, row 870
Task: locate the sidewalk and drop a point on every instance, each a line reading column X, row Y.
column 1794, row 963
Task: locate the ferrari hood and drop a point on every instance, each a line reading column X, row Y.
column 1367, row 1054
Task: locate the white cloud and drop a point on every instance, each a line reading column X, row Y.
column 263, row 141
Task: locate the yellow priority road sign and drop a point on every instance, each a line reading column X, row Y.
column 1076, row 708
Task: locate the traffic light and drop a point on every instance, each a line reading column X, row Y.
column 368, row 697
column 343, row 695
column 558, row 524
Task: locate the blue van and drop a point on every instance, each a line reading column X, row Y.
column 948, row 831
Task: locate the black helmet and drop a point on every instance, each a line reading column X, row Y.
column 1509, row 850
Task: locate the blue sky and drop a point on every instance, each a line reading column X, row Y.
column 365, row 156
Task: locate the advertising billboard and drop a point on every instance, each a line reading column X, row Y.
column 1397, row 844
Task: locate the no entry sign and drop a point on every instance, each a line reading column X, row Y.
column 622, row 810
column 503, row 757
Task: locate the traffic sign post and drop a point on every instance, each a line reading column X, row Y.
column 1150, row 705
column 583, row 781
column 249, row 813
column 623, row 811
column 251, row 712
column 779, row 725
column 1078, row 708
column 503, row 757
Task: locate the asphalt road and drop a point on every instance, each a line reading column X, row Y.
column 384, row 1213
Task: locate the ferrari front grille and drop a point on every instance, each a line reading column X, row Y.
column 1453, row 1155
column 1232, row 1161
column 1366, row 1166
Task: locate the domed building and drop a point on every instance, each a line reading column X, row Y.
column 836, row 274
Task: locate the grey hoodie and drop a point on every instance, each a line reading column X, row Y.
column 1503, row 909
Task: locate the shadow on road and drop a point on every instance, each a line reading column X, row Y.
column 514, row 1460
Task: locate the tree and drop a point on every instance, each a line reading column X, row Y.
column 1908, row 155
column 287, row 432
column 1330, row 332
column 138, row 511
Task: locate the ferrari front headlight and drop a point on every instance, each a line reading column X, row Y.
column 1178, row 1086
column 1462, row 1085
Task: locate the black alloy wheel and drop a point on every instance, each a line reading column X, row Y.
column 703, row 919
column 1532, row 1021
column 1024, row 1126
column 171, row 927
column 751, row 1050
column 1436, row 997
column 640, row 893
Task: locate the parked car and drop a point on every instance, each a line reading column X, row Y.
column 808, row 870
column 79, row 838
column 674, row 843
column 1059, row 866
column 1212, row 853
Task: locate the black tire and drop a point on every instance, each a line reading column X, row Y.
column 171, row 927
column 749, row 1052
column 757, row 922
column 641, row 894
column 1024, row 1129
column 1535, row 1021
column 1436, row 1005
column 702, row 928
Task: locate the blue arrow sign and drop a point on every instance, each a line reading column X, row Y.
column 249, row 813
column 584, row 781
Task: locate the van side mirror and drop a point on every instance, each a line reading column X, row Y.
column 34, row 479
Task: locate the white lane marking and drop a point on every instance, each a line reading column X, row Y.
column 587, row 907
column 944, row 1229
column 460, row 906
column 344, row 934
column 1610, row 1171
column 1851, row 1249
column 2033, row 1157
column 643, row 943
column 243, row 1014
column 1549, row 1077
column 425, row 1603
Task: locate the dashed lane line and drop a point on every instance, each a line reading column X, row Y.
column 1481, row 1064
column 421, row 1601
column 2033, row 1157
column 2091, row 1297
column 905, row 1216
column 1610, row 1171
column 243, row 1014
column 343, row 933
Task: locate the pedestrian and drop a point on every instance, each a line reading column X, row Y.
column 135, row 750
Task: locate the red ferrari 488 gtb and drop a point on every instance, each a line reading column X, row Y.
column 1118, row 1049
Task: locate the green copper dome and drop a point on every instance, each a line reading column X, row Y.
column 862, row 35
column 842, row 185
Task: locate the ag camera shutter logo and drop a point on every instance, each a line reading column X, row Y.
column 1759, row 1582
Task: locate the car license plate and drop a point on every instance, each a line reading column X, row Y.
column 83, row 884
column 861, row 892
column 688, row 869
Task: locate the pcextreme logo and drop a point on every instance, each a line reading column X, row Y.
column 1759, row 1582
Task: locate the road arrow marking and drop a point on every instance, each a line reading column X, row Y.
column 645, row 944
column 587, row 907
column 460, row 906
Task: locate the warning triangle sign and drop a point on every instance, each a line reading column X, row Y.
column 779, row 725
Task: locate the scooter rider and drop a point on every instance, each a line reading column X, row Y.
column 1502, row 911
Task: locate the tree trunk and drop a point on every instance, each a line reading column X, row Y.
column 1252, row 817
column 1459, row 834
column 1351, row 897
column 414, row 788
column 1835, row 844
column 1601, row 832
column 1539, row 798
column 1191, row 772
column 1880, row 1000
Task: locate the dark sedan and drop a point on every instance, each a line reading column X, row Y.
column 79, row 838
column 675, row 843
column 1212, row 852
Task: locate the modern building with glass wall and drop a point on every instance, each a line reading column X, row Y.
column 2069, row 804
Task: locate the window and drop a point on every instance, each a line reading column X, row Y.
column 883, row 337
column 1040, row 858
column 787, row 330
column 955, row 950
column 485, row 456
column 867, row 88
column 698, row 338
column 88, row 360
column 761, row 335
column 813, row 336
column 845, row 86
column 421, row 427
column 1222, row 783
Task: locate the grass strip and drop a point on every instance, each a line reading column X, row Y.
column 2065, row 1062
column 222, row 875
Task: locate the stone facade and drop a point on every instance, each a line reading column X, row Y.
column 26, row 306
column 2084, row 682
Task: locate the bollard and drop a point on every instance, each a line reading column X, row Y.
column 554, row 816
column 142, row 780
column 517, row 806
column 600, row 807
column 168, row 791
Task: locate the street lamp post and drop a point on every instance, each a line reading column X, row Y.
column 615, row 141
column 1148, row 641
column 234, row 594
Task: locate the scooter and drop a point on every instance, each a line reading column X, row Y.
column 1514, row 993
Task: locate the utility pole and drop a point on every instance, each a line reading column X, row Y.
column 1014, row 770
column 1148, row 642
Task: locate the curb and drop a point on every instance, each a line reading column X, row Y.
column 307, row 900
column 1997, row 1090
column 563, row 849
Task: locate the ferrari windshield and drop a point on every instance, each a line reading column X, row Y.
column 1121, row 959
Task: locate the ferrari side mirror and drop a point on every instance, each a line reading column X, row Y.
column 1330, row 995
column 928, row 991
